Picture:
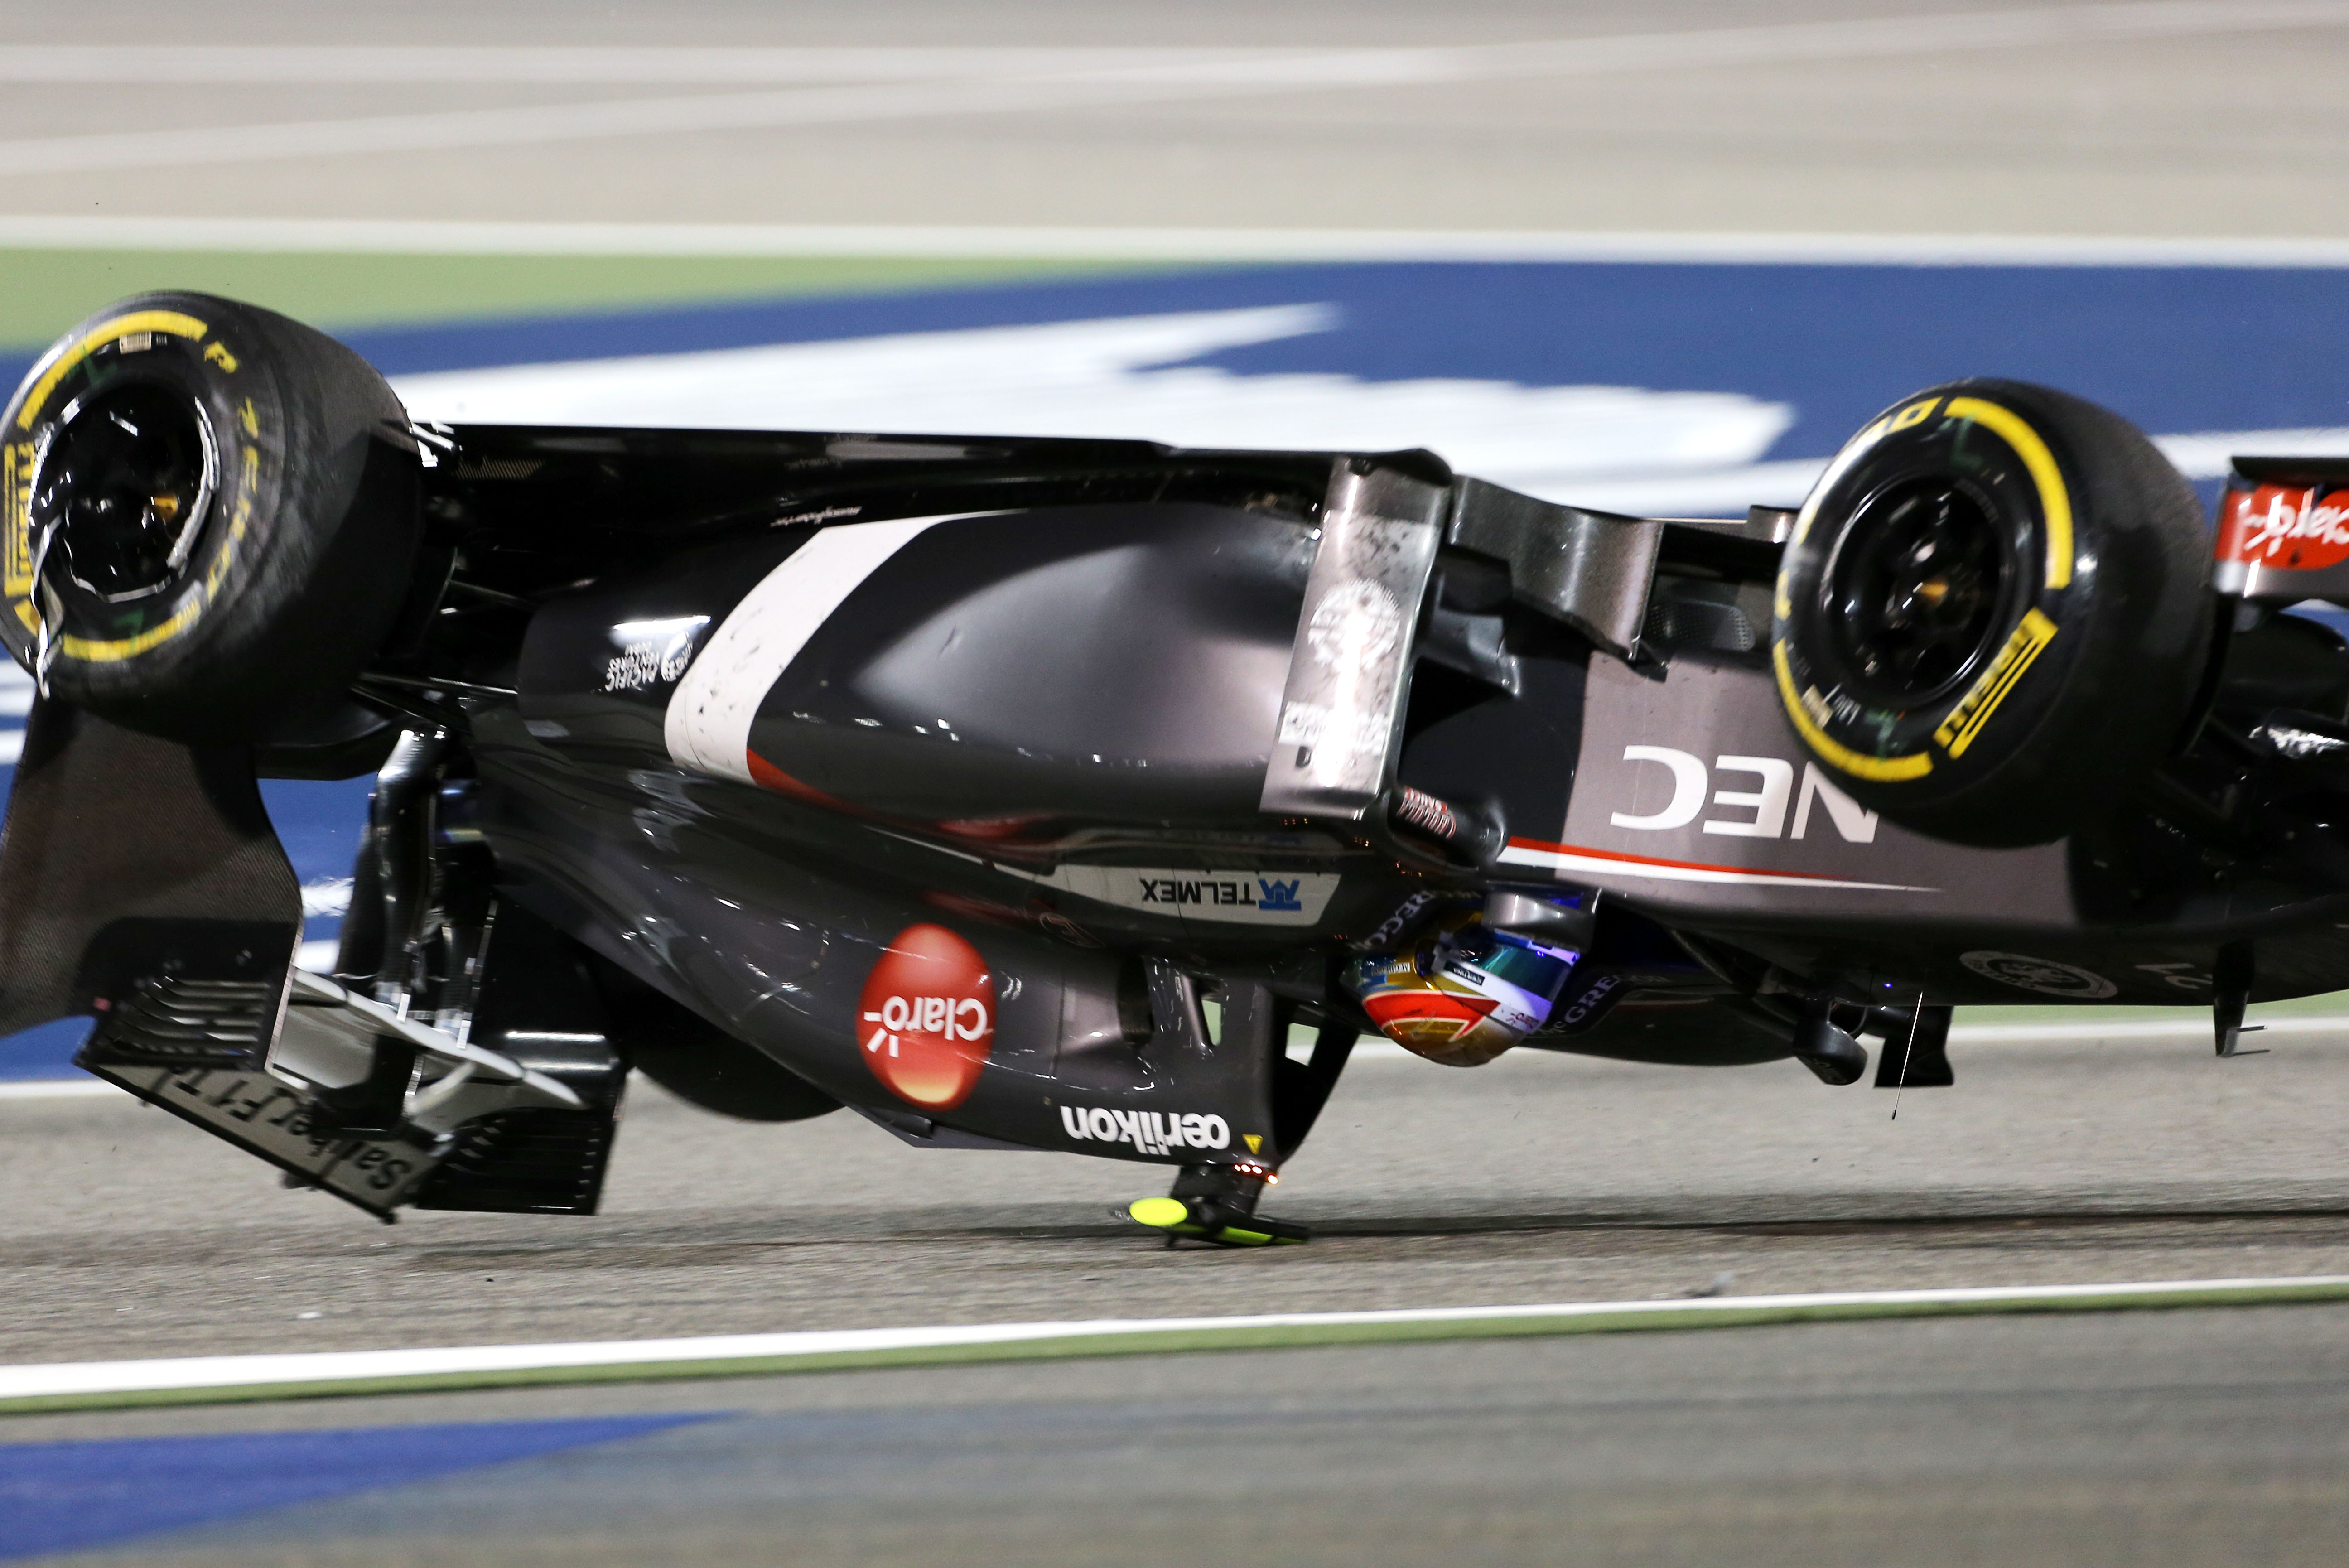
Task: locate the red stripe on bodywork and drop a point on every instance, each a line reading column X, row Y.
column 1676, row 865
column 766, row 775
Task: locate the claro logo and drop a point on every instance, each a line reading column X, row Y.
column 926, row 1017
column 1757, row 813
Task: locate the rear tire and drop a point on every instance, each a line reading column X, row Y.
column 1993, row 612
column 211, row 518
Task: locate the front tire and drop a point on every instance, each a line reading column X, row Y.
column 210, row 517
column 1993, row 614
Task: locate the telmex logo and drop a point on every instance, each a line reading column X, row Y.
column 1245, row 897
column 1265, row 893
column 1758, row 813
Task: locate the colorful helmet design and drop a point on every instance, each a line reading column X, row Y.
column 1460, row 993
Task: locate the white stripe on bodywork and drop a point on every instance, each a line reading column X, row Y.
column 708, row 727
column 1653, row 871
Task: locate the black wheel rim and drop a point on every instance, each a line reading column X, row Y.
column 122, row 488
column 1917, row 592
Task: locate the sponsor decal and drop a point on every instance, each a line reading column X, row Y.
column 2299, row 527
column 1429, row 814
column 1146, row 1132
column 1974, row 710
column 1391, row 929
column 926, row 1017
column 2182, row 976
column 820, row 514
column 652, row 651
column 1266, row 895
column 2044, row 976
column 1355, row 633
column 1347, row 734
column 1761, row 813
column 1278, row 897
column 1355, row 626
column 1238, row 897
column 1591, row 1004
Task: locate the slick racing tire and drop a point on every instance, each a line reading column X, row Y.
column 210, row 517
column 1992, row 615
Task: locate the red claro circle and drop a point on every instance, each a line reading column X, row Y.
column 926, row 1017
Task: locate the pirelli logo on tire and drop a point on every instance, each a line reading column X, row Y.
column 1958, row 731
column 17, row 495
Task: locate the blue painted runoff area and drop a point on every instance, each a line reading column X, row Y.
column 2173, row 348
column 71, row 1496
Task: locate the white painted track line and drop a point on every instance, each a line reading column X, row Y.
column 325, row 1372
column 421, row 236
column 57, row 1089
column 1042, row 81
column 1271, row 68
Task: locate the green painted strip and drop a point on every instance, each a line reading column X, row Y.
column 49, row 290
column 1632, row 1319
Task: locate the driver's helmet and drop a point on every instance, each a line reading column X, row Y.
column 1459, row 992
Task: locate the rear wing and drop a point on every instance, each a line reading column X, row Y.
column 2284, row 530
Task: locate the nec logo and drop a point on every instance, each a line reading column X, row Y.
column 1765, row 808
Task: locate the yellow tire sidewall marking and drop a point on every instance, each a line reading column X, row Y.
column 120, row 648
column 2055, row 500
column 1832, row 752
column 1957, row 732
column 1899, row 419
column 97, row 337
column 16, row 544
column 1914, row 414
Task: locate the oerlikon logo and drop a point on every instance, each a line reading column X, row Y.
column 926, row 1019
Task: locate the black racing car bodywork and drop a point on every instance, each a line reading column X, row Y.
column 1047, row 794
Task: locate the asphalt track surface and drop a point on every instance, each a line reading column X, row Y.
column 1887, row 116
column 128, row 1234
column 2185, row 1438
column 2196, row 1437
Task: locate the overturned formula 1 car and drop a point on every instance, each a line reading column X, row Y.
column 1020, row 792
